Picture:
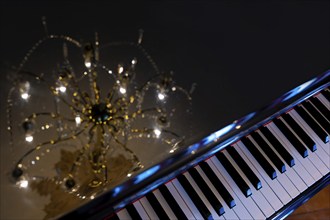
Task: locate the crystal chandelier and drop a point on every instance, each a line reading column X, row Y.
column 86, row 134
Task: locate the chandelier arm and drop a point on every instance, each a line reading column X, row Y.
column 184, row 92
column 9, row 106
column 49, row 37
column 139, row 47
column 91, row 134
column 77, row 88
column 139, row 113
column 38, row 147
column 108, row 71
column 69, row 105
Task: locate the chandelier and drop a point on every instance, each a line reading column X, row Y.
column 80, row 143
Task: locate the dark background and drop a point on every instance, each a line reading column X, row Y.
column 241, row 54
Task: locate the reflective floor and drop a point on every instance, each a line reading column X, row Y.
column 317, row 207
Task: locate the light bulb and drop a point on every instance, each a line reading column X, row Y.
column 122, row 90
column 161, row 96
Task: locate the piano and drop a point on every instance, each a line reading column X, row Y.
column 261, row 166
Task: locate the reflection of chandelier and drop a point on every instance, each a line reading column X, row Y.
column 98, row 123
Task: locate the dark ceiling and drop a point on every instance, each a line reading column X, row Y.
column 241, row 54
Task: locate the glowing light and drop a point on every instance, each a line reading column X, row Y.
column 29, row 138
column 134, row 61
column 25, row 95
column 85, row 73
column 161, row 96
column 120, row 69
column 129, row 174
column 62, row 89
column 122, row 90
column 88, row 64
column 78, row 120
column 238, row 127
column 23, row 183
column 110, row 71
column 157, row 132
column 172, row 151
column 173, row 89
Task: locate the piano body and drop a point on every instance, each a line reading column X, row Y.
column 262, row 166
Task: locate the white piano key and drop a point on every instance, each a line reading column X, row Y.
column 123, row 215
column 229, row 213
column 139, row 208
column 290, row 171
column 266, row 189
column 324, row 101
column 312, row 134
column 312, row 170
column 248, row 202
column 164, row 204
column 187, row 199
column 256, row 196
column 180, row 201
column 313, row 156
column 274, row 184
column 281, row 177
column 147, row 207
column 240, row 209
column 202, row 197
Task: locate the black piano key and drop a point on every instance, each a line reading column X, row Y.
column 312, row 123
column 291, row 137
column 217, row 206
column 260, row 158
column 321, row 107
column 326, row 94
column 234, row 174
column 317, row 115
column 287, row 157
column 133, row 212
column 217, row 184
column 156, row 206
column 269, row 152
column 300, row 132
column 244, row 167
column 172, row 202
column 194, row 197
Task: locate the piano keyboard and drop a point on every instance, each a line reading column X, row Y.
column 253, row 178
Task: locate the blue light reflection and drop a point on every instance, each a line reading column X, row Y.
column 298, row 89
column 117, row 190
column 219, row 133
column 244, row 119
column 149, row 172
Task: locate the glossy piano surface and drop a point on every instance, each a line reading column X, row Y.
column 242, row 57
